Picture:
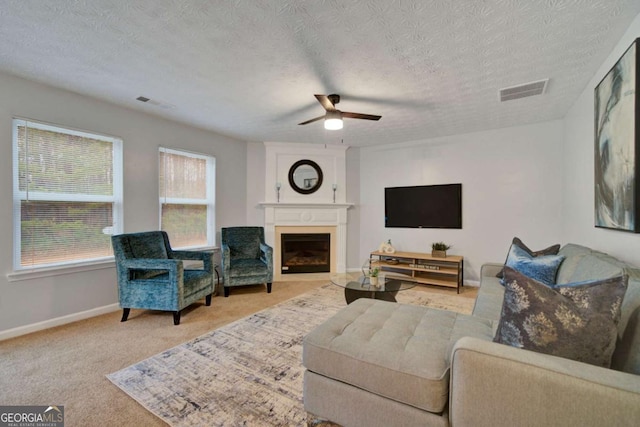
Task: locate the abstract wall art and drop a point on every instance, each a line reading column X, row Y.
column 617, row 146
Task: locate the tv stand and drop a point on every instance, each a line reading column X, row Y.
column 421, row 267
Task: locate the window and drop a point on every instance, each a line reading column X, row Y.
column 187, row 198
column 67, row 194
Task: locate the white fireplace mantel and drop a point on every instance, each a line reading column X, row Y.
column 308, row 215
column 305, row 205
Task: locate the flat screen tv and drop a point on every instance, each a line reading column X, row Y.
column 423, row 206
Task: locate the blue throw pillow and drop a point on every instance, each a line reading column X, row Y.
column 551, row 250
column 541, row 268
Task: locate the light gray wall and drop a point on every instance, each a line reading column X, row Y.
column 36, row 300
column 510, row 187
column 353, row 213
column 578, row 167
column 256, row 172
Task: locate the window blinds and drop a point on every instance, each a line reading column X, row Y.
column 67, row 194
column 187, row 198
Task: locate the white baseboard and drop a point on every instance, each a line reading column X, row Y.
column 34, row 327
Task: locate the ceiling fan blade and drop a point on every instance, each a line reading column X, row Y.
column 324, row 101
column 311, row 121
column 360, row 116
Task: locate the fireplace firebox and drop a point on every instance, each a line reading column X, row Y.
column 305, row 253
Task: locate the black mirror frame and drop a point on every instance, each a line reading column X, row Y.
column 315, row 166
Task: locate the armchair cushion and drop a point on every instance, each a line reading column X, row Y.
column 242, row 248
column 144, row 246
column 194, row 281
column 247, row 267
column 148, row 247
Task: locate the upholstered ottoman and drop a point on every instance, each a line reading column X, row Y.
column 382, row 363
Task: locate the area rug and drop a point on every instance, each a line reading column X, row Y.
column 248, row 372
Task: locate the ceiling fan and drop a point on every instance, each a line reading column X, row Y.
column 333, row 117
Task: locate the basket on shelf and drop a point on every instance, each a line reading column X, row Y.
column 439, row 249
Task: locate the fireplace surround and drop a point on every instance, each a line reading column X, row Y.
column 280, row 218
column 305, row 252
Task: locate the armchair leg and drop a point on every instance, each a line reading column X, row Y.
column 176, row 317
column 226, row 291
column 268, row 288
column 208, row 300
column 125, row 314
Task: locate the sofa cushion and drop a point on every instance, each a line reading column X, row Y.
column 542, row 268
column 572, row 255
column 577, row 321
column 551, row 250
column 592, row 267
column 397, row 351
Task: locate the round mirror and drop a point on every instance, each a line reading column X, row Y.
column 305, row 176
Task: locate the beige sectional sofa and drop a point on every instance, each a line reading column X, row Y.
column 377, row 363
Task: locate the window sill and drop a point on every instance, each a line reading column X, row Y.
column 213, row 249
column 38, row 273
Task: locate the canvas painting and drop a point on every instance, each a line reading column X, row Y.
column 616, row 146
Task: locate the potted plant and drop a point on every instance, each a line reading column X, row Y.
column 439, row 249
column 373, row 276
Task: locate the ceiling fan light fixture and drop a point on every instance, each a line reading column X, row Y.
column 333, row 120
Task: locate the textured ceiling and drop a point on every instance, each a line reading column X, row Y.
column 250, row 68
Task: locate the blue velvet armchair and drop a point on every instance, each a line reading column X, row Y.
column 152, row 276
column 246, row 259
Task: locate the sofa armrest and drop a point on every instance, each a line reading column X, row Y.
column 497, row 385
column 490, row 269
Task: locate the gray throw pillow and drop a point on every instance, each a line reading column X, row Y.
column 551, row 250
column 576, row 321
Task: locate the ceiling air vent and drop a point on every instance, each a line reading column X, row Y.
column 524, row 90
column 150, row 101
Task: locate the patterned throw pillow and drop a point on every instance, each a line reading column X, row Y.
column 542, row 268
column 576, row 321
column 551, row 250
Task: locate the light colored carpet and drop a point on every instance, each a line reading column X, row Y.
column 248, row 372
